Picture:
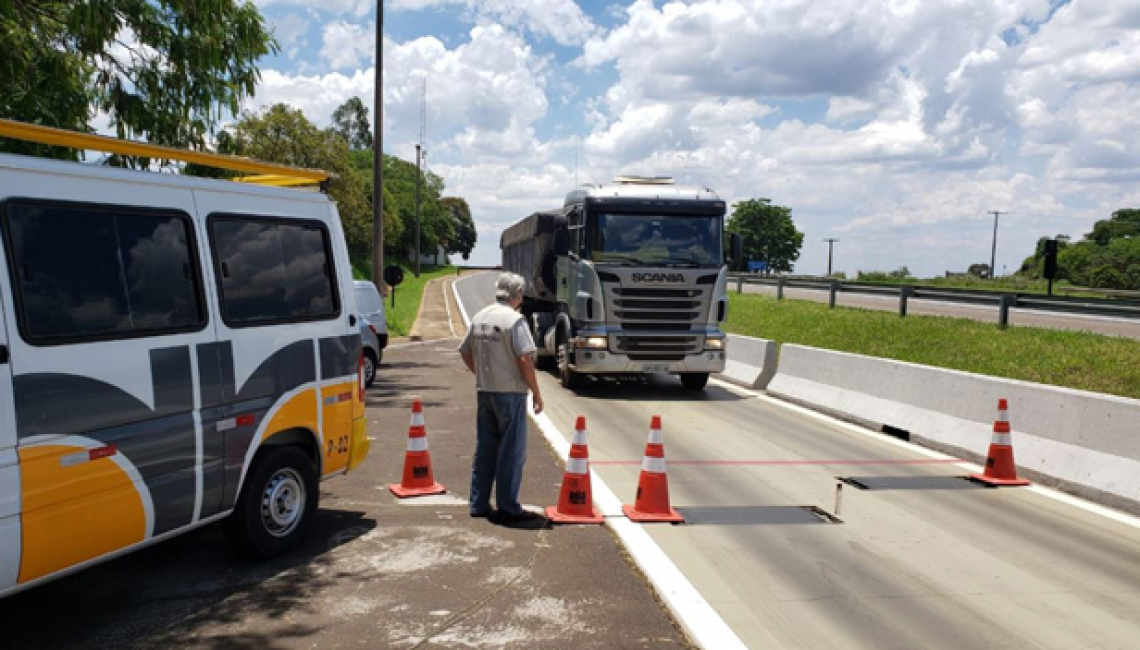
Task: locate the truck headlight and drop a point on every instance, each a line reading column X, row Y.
column 593, row 342
column 714, row 344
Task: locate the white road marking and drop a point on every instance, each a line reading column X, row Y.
column 447, row 304
column 702, row 622
column 459, row 303
column 1056, row 495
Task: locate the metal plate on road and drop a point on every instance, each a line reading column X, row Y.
column 655, row 367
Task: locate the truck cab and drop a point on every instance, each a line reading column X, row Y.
column 626, row 278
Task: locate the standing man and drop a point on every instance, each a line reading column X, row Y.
column 499, row 349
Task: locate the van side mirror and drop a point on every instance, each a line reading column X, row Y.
column 736, row 247
column 562, row 242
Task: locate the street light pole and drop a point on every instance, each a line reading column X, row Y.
column 993, row 250
column 378, row 155
column 830, row 248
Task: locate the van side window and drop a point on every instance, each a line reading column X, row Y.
column 273, row 270
column 86, row 272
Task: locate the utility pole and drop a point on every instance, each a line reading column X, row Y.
column 418, row 149
column 993, row 251
column 421, row 154
column 830, row 248
column 378, row 155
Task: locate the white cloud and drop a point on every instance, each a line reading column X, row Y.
column 494, row 82
column 290, row 32
column 561, row 20
column 347, row 45
column 893, row 124
column 358, row 8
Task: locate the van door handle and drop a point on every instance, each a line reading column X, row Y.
column 3, row 354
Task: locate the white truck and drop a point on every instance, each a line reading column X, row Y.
column 626, row 278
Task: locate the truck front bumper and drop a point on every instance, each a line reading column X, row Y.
column 597, row 362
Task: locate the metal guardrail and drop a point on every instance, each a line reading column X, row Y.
column 1003, row 301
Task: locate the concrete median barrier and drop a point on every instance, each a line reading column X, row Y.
column 751, row 361
column 1086, row 443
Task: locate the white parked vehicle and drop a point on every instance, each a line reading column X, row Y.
column 373, row 327
column 174, row 351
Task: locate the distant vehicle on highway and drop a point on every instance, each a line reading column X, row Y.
column 373, row 327
column 626, row 278
column 174, row 351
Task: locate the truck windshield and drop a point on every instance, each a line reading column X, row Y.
column 655, row 240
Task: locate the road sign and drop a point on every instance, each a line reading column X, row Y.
column 757, row 266
column 393, row 275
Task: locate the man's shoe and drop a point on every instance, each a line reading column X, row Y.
column 482, row 514
column 525, row 519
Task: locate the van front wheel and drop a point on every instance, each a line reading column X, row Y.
column 277, row 503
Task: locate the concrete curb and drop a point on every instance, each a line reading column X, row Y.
column 751, row 361
column 1086, row 443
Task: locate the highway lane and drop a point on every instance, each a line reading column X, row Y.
column 1109, row 326
column 935, row 562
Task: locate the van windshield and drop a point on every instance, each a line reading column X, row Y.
column 656, row 240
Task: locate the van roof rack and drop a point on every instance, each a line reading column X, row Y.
column 263, row 173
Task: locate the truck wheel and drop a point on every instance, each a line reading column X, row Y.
column 545, row 362
column 566, row 375
column 277, row 503
column 694, row 380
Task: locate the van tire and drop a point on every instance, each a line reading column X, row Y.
column 694, row 380
column 285, row 480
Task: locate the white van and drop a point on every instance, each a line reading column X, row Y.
column 173, row 351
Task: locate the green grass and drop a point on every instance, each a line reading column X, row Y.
column 1062, row 358
column 409, row 295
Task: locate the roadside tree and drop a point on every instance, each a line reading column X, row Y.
column 462, row 224
column 768, row 232
column 350, row 121
column 163, row 70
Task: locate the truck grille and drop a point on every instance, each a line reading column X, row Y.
column 667, row 316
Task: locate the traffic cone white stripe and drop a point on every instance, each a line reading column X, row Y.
column 417, row 444
column 1004, row 439
column 579, row 438
column 417, row 419
column 651, row 464
column 656, row 437
column 578, row 466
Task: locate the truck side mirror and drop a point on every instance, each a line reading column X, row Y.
column 561, row 242
column 736, row 247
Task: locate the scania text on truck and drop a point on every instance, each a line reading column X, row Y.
column 626, row 278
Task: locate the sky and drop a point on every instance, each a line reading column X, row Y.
column 891, row 125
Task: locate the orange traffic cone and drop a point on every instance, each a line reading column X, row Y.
column 1000, row 469
column 576, row 502
column 418, row 478
column 652, row 502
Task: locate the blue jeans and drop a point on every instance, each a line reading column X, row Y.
column 500, row 452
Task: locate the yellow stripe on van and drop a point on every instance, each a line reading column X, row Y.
column 338, row 401
column 300, row 412
column 74, row 512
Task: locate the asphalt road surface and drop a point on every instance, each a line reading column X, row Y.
column 923, row 559
column 1128, row 328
